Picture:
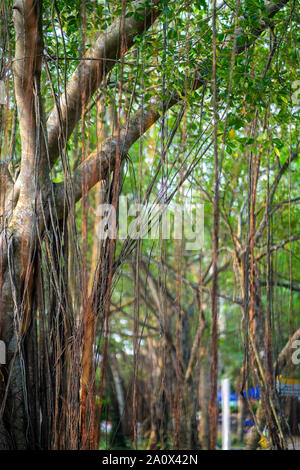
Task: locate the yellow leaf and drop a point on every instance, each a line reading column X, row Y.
column 277, row 152
column 264, row 443
column 231, row 134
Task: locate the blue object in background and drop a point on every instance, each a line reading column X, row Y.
column 249, row 422
column 252, row 393
column 232, row 397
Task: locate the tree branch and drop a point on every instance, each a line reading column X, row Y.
column 100, row 162
column 98, row 61
column 273, row 188
column 285, row 354
column 276, row 247
column 245, row 40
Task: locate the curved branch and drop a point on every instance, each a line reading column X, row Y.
column 98, row 61
column 285, row 354
column 273, row 188
column 279, row 245
column 102, row 161
column 270, row 8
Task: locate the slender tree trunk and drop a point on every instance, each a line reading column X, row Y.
column 204, row 400
column 240, row 419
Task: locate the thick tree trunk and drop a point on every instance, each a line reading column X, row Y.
column 13, row 421
column 19, row 243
